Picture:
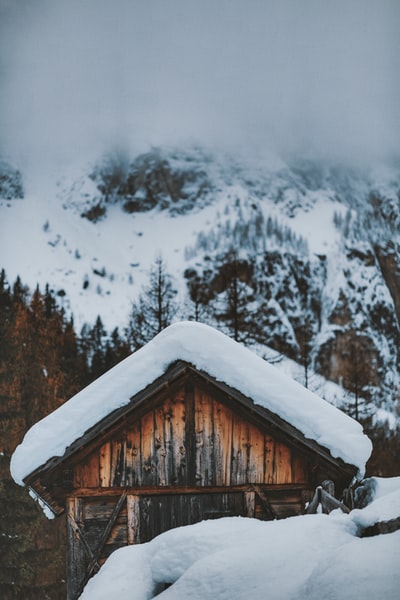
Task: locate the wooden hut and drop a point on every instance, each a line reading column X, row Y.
column 188, row 428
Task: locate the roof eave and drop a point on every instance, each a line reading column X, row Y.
column 173, row 372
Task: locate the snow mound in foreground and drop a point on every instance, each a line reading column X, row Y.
column 237, row 559
column 306, row 557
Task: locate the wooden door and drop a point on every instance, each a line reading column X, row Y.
column 159, row 513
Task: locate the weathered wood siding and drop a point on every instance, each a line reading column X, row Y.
column 160, row 513
column 194, row 439
column 191, row 454
column 141, row 517
column 185, row 450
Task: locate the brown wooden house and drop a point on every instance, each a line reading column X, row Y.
column 188, row 446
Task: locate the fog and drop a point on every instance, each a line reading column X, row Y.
column 296, row 76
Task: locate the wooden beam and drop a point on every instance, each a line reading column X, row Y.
column 181, row 489
column 381, row 527
column 77, row 547
column 328, row 503
column 249, row 504
column 94, row 565
column 315, row 502
column 80, row 535
column 264, row 501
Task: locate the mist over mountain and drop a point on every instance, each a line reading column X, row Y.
column 280, row 78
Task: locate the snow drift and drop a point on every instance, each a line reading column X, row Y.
column 306, row 557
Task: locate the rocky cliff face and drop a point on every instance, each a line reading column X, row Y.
column 307, row 254
column 10, row 181
column 361, row 326
column 388, row 257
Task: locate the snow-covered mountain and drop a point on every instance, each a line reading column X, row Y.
column 316, row 248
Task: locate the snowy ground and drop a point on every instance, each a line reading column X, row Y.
column 307, row 557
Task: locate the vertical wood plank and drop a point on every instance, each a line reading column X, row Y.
column 240, row 450
column 249, row 504
column 122, row 463
column 269, row 458
column 133, row 455
column 160, row 450
column 146, row 522
column 299, row 469
column 114, row 461
column 76, row 558
column 93, row 471
column 204, row 438
column 118, row 462
column 77, row 476
column 255, row 466
column 178, row 439
column 223, row 426
column 86, row 474
column 190, row 435
column 147, row 447
column 168, row 442
column 133, row 519
column 105, row 465
column 283, row 465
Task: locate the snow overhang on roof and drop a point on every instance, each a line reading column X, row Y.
column 222, row 358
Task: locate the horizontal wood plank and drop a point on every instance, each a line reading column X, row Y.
column 179, row 489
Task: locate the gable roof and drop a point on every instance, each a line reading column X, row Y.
column 214, row 354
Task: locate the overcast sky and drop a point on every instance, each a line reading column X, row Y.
column 320, row 76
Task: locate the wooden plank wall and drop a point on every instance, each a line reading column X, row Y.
column 161, row 513
column 190, row 439
column 143, row 517
column 281, row 503
column 76, row 557
column 140, row 519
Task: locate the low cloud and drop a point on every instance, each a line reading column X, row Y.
column 294, row 75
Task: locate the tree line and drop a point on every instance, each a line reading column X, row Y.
column 44, row 361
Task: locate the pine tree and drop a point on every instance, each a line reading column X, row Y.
column 155, row 307
column 40, row 367
column 304, row 332
column 93, row 341
column 233, row 304
column 116, row 349
column 304, row 338
column 200, row 296
column 72, row 361
column 5, row 315
column 356, row 378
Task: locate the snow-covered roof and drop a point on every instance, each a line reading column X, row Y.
column 222, row 358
